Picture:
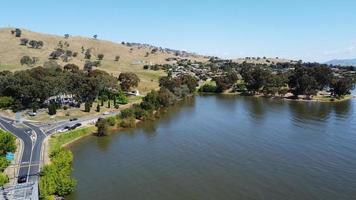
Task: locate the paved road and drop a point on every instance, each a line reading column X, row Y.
column 33, row 136
column 32, row 140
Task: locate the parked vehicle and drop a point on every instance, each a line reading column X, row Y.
column 32, row 114
column 73, row 119
column 22, row 179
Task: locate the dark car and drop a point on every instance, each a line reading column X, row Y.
column 73, row 119
column 77, row 124
column 22, row 179
column 66, row 127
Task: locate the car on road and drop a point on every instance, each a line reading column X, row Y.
column 106, row 113
column 22, row 179
column 32, row 114
column 73, row 119
column 77, row 124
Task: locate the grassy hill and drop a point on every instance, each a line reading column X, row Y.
column 132, row 57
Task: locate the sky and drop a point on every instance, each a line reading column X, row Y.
column 311, row 30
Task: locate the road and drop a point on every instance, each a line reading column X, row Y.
column 32, row 138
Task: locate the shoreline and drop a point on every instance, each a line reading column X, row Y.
column 318, row 100
column 118, row 129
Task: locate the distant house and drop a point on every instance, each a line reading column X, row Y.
column 61, row 99
column 138, row 62
column 133, row 93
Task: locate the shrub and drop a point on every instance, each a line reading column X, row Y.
column 18, row 32
column 87, row 54
column 4, row 163
column 111, row 120
column 103, row 127
column 3, row 179
column 128, row 123
column 140, row 113
column 7, row 143
column 87, row 106
column 6, row 102
column 23, row 41
column 26, row 60
column 126, row 113
column 208, row 88
column 55, row 177
column 117, row 58
column 100, row 56
column 52, row 109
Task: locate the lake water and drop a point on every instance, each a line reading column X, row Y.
column 226, row 148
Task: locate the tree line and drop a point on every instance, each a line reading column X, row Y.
column 303, row 80
column 31, row 88
column 171, row 90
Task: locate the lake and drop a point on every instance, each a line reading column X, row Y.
column 225, row 148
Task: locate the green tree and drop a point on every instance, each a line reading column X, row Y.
column 52, row 108
column 3, row 179
column 341, row 87
column 100, row 56
column 87, row 106
column 98, row 108
column 103, row 127
column 7, row 142
column 4, row 163
column 128, row 80
column 6, row 102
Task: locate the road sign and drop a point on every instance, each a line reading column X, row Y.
column 10, row 156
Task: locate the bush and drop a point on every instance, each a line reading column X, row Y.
column 6, row 102
column 100, row 56
column 103, row 127
column 23, row 41
column 7, row 143
column 55, row 177
column 87, row 106
column 128, row 123
column 52, row 109
column 127, row 113
column 3, row 179
column 18, row 32
column 208, row 88
column 111, row 120
column 26, row 60
column 4, row 163
column 140, row 113
column 121, row 98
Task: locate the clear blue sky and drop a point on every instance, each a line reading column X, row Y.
column 312, row 30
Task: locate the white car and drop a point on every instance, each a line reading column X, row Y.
column 32, row 114
column 106, row 113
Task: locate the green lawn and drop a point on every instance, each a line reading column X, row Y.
column 58, row 140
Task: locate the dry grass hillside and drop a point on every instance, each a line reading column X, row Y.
column 132, row 58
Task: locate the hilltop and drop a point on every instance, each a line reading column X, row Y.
column 132, row 55
column 342, row 62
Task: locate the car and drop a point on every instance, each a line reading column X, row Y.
column 66, row 127
column 106, row 113
column 32, row 114
column 73, row 119
column 77, row 124
column 22, row 179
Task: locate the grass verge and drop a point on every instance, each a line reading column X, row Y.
column 59, row 140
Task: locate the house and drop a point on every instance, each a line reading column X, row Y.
column 61, row 99
column 133, row 93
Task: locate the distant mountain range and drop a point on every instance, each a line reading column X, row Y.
column 342, row 62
